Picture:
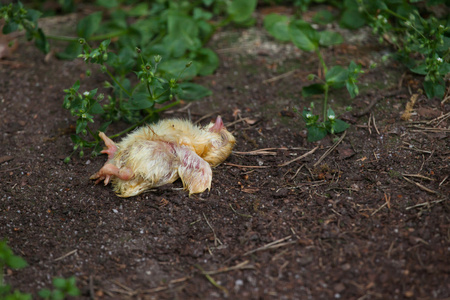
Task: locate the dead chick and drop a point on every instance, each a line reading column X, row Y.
column 159, row 154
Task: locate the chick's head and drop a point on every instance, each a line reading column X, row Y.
column 221, row 143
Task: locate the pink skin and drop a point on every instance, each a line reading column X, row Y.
column 218, row 125
column 109, row 169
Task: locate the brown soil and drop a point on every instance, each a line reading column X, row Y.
column 369, row 221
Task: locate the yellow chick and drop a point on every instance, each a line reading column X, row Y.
column 159, row 154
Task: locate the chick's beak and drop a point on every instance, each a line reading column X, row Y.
column 218, row 125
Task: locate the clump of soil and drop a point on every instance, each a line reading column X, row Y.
column 369, row 220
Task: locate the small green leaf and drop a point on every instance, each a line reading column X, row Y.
column 323, row 17
column 313, row 89
column 89, row 25
column 336, row 75
column 352, row 88
column 10, row 27
column 316, row 133
column 41, row 41
column 351, row 18
column 340, row 126
column 192, row 91
column 96, row 108
column 303, row 35
column 329, row 38
column 16, row 262
column 241, row 11
column 45, row 293
column 107, row 3
column 140, row 101
column 81, row 125
column 278, row 26
column 434, row 89
column 207, row 61
column 73, row 49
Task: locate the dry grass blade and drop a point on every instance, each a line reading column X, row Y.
column 330, row 150
column 210, row 279
column 418, row 176
column 242, row 166
column 272, row 245
column 216, row 239
column 66, row 255
column 300, row 157
column 426, row 203
column 419, row 185
column 287, row 74
column 240, row 266
column 264, row 151
column 205, row 117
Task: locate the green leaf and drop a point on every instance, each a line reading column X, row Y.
column 41, row 41
column 175, row 66
column 45, row 293
column 241, row 10
column 303, row 35
column 16, row 262
column 73, row 49
column 340, row 126
column 10, row 27
column 329, row 38
column 278, row 26
column 107, row 3
column 316, row 133
column 351, row 18
column 421, row 69
column 207, row 61
column 182, row 34
column 139, row 10
column 89, row 25
column 323, row 17
column 192, row 91
column 140, row 101
column 103, row 127
column 434, row 89
column 96, row 108
column 313, row 89
column 336, row 76
column 81, row 125
column 352, row 88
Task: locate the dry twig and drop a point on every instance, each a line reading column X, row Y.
column 330, row 150
column 419, row 185
column 300, row 157
column 272, row 245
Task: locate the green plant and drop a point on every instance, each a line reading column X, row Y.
column 62, row 288
column 306, row 38
column 423, row 43
column 8, row 259
column 162, row 44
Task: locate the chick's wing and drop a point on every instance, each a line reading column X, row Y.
column 195, row 172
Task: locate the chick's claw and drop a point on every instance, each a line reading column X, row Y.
column 111, row 146
column 109, row 170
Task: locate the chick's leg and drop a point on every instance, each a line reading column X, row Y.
column 109, row 170
column 195, row 172
column 111, row 146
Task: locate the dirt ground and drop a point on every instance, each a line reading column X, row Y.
column 363, row 217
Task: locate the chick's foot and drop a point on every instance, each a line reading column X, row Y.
column 111, row 146
column 109, row 170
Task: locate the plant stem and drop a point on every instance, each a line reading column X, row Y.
column 117, row 82
column 92, row 38
column 145, row 119
column 325, row 103
column 326, row 86
column 322, row 62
